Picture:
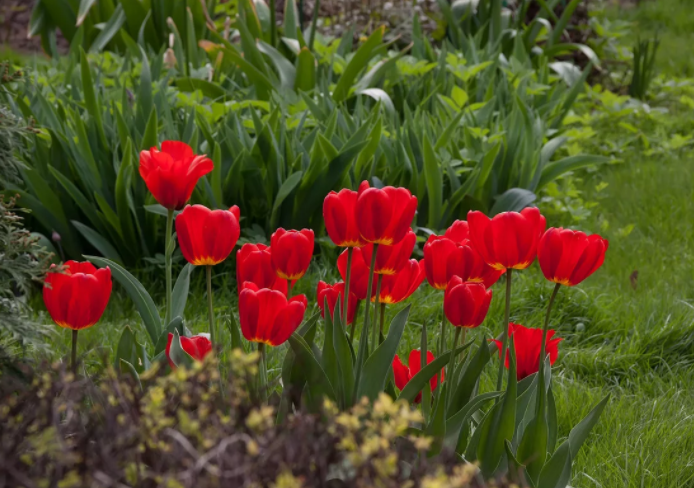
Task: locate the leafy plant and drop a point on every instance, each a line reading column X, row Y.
column 643, row 69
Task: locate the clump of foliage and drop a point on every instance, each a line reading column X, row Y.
column 182, row 432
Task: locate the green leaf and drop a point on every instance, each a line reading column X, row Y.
column 179, row 295
column 455, row 422
column 127, row 367
column 515, row 469
column 376, row 367
column 175, row 325
column 345, row 359
column 471, row 376
column 329, row 357
column 150, row 138
column 138, row 294
column 557, row 472
column 579, row 433
column 209, row 89
column 555, row 169
column 512, row 200
column 98, row 241
column 123, row 207
column 109, row 31
column 305, row 71
column 287, row 187
column 85, row 5
column 316, row 379
column 434, row 180
column 285, row 69
column 216, row 176
column 177, row 355
column 564, row 21
column 358, row 62
column 437, row 427
column 290, row 19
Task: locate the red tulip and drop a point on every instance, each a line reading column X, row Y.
column 254, row 265
column 172, row 173
column 466, row 304
column 569, row 257
column 509, row 240
column 77, row 298
column 206, row 236
column 403, row 374
column 390, row 259
column 468, row 264
column 267, row 316
column 331, row 293
column 396, row 288
column 384, row 215
column 359, row 279
column 528, row 343
column 291, row 252
column 197, row 347
column 458, row 232
column 339, row 213
column 437, row 252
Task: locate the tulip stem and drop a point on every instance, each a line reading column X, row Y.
column 383, row 317
column 290, row 287
column 546, row 327
column 369, row 287
column 504, row 335
column 443, row 331
column 74, row 351
column 354, row 323
column 345, row 294
column 456, row 338
column 168, row 251
column 210, row 308
column 374, row 337
column 262, row 371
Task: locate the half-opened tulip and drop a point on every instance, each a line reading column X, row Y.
column 359, row 280
column 254, row 265
column 568, row 257
column 403, row 374
column 468, row 264
column 197, row 347
column 267, row 317
column 384, row 214
column 207, row 237
column 458, row 232
column 76, row 299
column 509, row 240
column 437, row 252
column 331, row 293
column 466, row 304
column 291, row 252
column 527, row 342
column 391, row 258
column 172, row 173
column 339, row 213
column 396, row 288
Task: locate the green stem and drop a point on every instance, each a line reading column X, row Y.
column 74, row 352
column 273, row 22
column 290, row 287
column 546, row 327
column 262, row 371
column 374, row 336
column 383, row 317
column 314, row 22
column 210, row 308
column 167, row 259
column 504, row 335
column 354, row 323
column 442, row 348
column 367, row 308
column 345, row 295
column 456, row 338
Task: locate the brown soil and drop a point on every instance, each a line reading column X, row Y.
column 14, row 23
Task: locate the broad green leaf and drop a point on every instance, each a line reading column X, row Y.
column 317, row 381
column 127, row 367
column 177, row 355
column 285, row 190
column 345, row 359
column 437, row 426
column 471, row 376
column 285, row 69
column 358, row 62
column 179, row 295
column 329, row 357
column 305, row 71
column 557, row 472
column 290, row 19
column 209, row 89
column 434, row 180
column 515, row 469
column 138, row 294
column 555, row 169
column 109, row 32
column 90, row 100
column 512, row 200
column 175, row 325
column 150, row 138
column 376, row 367
column 98, row 241
column 455, row 422
column 380, row 96
column 122, row 189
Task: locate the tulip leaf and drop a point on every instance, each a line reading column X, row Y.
column 316, row 380
column 500, row 425
column 286, row 70
column 177, row 355
column 328, row 356
column 434, row 181
column 551, row 421
column 127, row 367
column 287, row 187
column 557, row 471
column 512, row 200
column 356, row 64
column 150, row 137
column 138, row 294
column 213, row 91
column 179, row 296
column 98, row 241
column 555, row 169
column 470, row 376
column 437, row 426
column 345, row 360
column 175, row 325
column 515, row 469
column 130, row 350
column 123, row 198
column 420, row 380
column 110, row 30
column 293, row 377
column 305, row 71
column 376, row 367
column 90, row 100
column 455, row 422
column 532, row 449
column 580, row 432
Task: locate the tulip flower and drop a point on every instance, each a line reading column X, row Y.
column 509, row 240
column 291, row 252
column 384, row 215
column 254, row 266
column 437, row 252
column 403, row 374
column 77, row 297
column 458, row 232
column 267, row 317
column 332, row 293
column 468, row 264
column 568, row 257
column 197, row 347
column 398, row 287
column 528, row 343
column 172, row 173
column 207, row 237
column 339, row 213
column 390, row 259
column 360, row 272
column 466, row 304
